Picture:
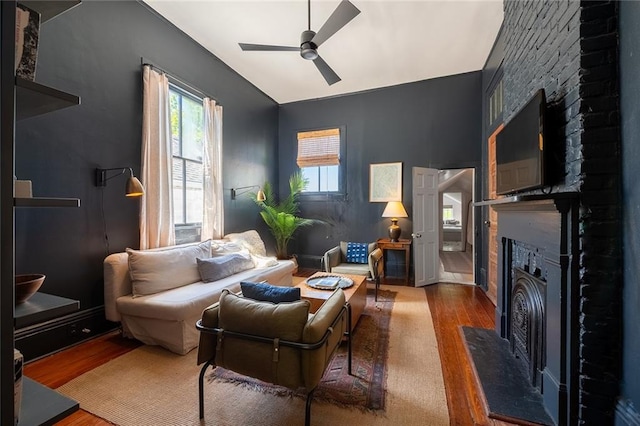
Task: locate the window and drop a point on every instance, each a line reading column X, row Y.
column 447, row 212
column 187, row 140
column 496, row 104
column 319, row 160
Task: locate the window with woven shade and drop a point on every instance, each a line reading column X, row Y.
column 319, row 159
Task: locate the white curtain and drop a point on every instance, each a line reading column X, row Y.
column 156, row 209
column 213, row 217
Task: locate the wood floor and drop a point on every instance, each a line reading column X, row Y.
column 451, row 305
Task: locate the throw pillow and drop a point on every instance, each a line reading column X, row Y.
column 219, row 248
column 357, row 252
column 250, row 240
column 218, row 267
column 152, row 271
column 269, row 293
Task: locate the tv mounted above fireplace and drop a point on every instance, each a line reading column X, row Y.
column 520, row 149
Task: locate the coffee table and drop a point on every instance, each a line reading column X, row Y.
column 356, row 295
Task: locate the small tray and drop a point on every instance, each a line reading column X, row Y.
column 329, row 282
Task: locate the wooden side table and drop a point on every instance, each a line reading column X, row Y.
column 401, row 244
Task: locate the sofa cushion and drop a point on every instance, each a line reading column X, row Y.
column 188, row 301
column 218, row 267
column 250, row 240
column 156, row 270
column 269, row 293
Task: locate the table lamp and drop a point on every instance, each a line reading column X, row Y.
column 394, row 210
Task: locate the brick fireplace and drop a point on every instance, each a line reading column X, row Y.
column 537, row 292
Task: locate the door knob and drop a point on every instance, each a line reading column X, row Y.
column 416, row 235
column 487, row 223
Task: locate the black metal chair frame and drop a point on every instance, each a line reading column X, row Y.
column 377, row 278
column 302, row 346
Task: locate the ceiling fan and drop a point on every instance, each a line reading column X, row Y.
column 310, row 40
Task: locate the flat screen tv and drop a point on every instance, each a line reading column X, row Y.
column 520, row 149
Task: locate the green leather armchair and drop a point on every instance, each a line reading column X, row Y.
column 276, row 343
column 335, row 261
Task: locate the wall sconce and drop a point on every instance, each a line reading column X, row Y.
column 235, row 192
column 133, row 187
column 394, row 210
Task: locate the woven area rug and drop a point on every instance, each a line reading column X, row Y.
column 365, row 389
column 151, row 386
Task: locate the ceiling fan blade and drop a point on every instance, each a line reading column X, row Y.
column 329, row 75
column 340, row 17
column 268, row 48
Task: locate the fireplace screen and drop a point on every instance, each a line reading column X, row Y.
column 526, row 313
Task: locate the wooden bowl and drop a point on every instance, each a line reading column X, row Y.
column 27, row 285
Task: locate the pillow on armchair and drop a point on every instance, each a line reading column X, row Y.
column 357, row 252
column 344, row 246
column 269, row 293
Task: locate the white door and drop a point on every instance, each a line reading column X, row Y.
column 426, row 258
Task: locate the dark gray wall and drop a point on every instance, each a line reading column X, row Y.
column 433, row 123
column 630, row 110
column 94, row 51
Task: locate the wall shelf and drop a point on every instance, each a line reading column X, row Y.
column 43, row 406
column 50, row 9
column 20, row 99
column 46, row 202
column 34, row 99
column 42, row 307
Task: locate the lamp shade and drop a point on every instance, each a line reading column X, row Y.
column 260, row 196
column 134, row 187
column 394, row 209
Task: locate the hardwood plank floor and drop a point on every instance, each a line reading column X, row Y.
column 451, row 305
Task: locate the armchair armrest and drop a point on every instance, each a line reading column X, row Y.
column 333, row 257
column 376, row 263
column 207, row 346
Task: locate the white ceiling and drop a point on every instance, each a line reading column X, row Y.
column 390, row 42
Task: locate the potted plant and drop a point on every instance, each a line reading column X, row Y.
column 281, row 217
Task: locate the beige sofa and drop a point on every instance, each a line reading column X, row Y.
column 158, row 295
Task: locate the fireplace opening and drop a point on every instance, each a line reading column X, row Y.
column 526, row 323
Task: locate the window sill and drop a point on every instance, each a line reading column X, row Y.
column 322, row 196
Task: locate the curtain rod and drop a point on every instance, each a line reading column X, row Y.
column 180, row 82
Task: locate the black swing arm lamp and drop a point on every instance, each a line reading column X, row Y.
column 133, row 187
column 235, row 192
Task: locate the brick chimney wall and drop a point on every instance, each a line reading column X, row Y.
column 570, row 48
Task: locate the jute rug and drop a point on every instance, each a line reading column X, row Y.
column 365, row 388
column 152, row 386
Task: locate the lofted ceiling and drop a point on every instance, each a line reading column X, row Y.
column 390, row 42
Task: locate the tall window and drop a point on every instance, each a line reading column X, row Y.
column 319, row 160
column 187, row 140
column 496, row 103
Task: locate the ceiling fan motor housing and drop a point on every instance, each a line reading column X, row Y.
column 308, row 49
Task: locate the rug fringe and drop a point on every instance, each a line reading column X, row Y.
column 286, row 392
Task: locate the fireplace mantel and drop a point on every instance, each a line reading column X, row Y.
column 539, row 233
column 557, row 201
